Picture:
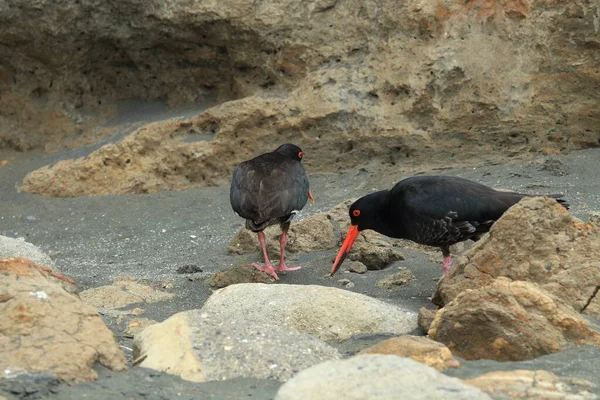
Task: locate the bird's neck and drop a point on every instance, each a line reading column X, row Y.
column 381, row 220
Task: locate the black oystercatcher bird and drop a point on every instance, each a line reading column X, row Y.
column 267, row 190
column 431, row 210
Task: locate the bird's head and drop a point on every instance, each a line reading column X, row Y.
column 289, row 150
column 364, row 214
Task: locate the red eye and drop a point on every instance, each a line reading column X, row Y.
column 356, row 213
column 300, row 155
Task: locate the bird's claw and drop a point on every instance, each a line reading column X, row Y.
column 268, row 269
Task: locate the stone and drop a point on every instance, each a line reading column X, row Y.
column 357, row 267
column 374, row 256
column 525, row 384
column 426, row 317
column 43, row 328
column 347, row 283
column 123, row 292
column 308, row 72
column 510, row 321
column 375, row 377
column 203, row 346
column 243, row 273
column 10, row 248
column 417, row 348
column 396, row 280
column 536, row 240
column 324, row 312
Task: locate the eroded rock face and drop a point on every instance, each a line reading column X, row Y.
column 43, row 328
column 538, row 241
column 324, row 312
column 395, row 81
column 510, row 321
column 205, row 346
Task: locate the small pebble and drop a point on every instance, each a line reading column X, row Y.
column 346, row 283
column 357, row 267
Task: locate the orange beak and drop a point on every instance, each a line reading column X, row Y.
column 345, row 249
column 311, row 197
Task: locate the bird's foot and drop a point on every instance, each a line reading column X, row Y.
column 268, row 269
column 447, row 264
column 283, row 267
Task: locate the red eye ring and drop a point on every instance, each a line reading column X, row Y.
column 356, row 213
column 300, row 154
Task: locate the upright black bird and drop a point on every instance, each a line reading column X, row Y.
column 431, row 210
column 267, row 190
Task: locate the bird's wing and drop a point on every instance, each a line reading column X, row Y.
column 274, row 193
column 460, row 200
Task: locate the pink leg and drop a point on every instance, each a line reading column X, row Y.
column 268, row 268
column 282, row 243
column 447, row 264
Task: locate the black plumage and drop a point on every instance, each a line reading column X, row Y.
column 432, row 210
column 270, row 189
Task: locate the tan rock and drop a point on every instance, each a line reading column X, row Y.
column 244, row 273
column 525, row 384
column 396, row 280
column 418, row 348
column 43, row 328
column 124, row 291
column 510, row 320
column 426, row 317
column 537, row 240
column 357, row 267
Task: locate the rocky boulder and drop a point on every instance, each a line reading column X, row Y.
column 538, row 241
column 417, row 348
column 324, row 312
column 510, row 320
column 375, row 377
column 205, row 346
column 43, row 328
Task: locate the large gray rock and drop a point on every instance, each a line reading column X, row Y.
column 10, row 248
column 375, row 377
column 205, row 346
column 324, row 312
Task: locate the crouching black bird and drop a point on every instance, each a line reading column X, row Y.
column 267, row 190
column 431, row 210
